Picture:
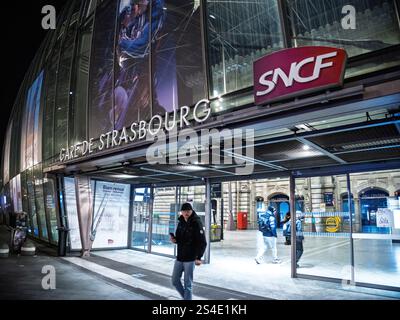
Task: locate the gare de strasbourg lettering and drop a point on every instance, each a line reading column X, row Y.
column 301, row 70
column 137, row 131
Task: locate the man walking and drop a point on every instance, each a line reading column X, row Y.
column 192, row 243
column 267, row 231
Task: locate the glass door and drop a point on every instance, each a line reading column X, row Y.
column 165, row 213
column 377, row 231
column 141, row 218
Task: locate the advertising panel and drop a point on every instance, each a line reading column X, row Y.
column 111, row 215
column 137, row 26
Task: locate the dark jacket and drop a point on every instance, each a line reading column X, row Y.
column 270, row 219
column 190, row 238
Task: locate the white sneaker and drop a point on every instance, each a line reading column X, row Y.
column 258, row 260
column 276, row 261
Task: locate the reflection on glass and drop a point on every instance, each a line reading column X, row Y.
column 319, row 23
column 31, row 202
column 178, row 57
column 141, row 218
column 326, row 228
column 376, row 244
column 50, row 206
column 72, row 214
column 39, row 202
column 164, row 220
column 239, row 34
column 101, row 114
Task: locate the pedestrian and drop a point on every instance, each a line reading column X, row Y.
column 267, row 235
column 299, row 236
column 191, row 241
column 286, row 229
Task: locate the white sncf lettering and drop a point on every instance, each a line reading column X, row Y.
column 270, row 78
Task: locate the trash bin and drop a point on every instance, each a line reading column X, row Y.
column 242, row 221
column 62, row 241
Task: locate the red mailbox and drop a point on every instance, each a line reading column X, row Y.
column 242, row 220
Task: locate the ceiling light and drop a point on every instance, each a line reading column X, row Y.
column 124, row 176
column 306, row 147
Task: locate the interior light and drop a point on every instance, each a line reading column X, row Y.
column 124, row 176
column 306, row 147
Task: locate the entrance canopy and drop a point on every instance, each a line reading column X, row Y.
column 360, row 134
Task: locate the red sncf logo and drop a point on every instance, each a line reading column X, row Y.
column 297, row 71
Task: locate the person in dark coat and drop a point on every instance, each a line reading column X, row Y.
column 191, row 241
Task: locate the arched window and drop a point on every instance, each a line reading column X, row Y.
column 280, row 202
column 371, row 200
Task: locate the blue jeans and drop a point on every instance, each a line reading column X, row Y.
column 187, row 268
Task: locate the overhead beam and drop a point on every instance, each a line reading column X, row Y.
column 320, row 149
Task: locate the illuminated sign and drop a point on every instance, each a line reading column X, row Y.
column 292, row 72
column 139, row 131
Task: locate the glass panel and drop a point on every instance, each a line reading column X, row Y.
column 141, row 218
column 196, row 195
column 33, row 145
column 101, row 115
column 177, row 56
column 164, row 220
column 79, row 111
column 72, row 214
column 39, row 202
column 111, row 215
column 238, row 34
column 25, row 201
column 377, row 231
column 50, row 206
column 50, row 97
column 6, row 155
column 132, row 94
column 326, row 229
column 319, row 23
column 31, row 201
column 64, row 91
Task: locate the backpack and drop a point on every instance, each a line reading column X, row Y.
column 263, row 223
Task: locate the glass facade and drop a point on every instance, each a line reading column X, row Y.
column 238, row 34
column 331, row 242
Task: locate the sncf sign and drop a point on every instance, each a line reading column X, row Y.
column 297, row 71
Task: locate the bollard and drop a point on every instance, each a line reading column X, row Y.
column 28, row 249
column 4, row 250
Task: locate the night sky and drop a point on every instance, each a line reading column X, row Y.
column 22, row 35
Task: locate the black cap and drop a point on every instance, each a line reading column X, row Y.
column 186, row 207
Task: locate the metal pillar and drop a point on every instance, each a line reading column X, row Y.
column 293, row 219
column 351, row 229
column 208, row 221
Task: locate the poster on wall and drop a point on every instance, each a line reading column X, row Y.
column 72, row 214
column 132, row 79
column 384, row 218
column 31, row 144
column 111, row 215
